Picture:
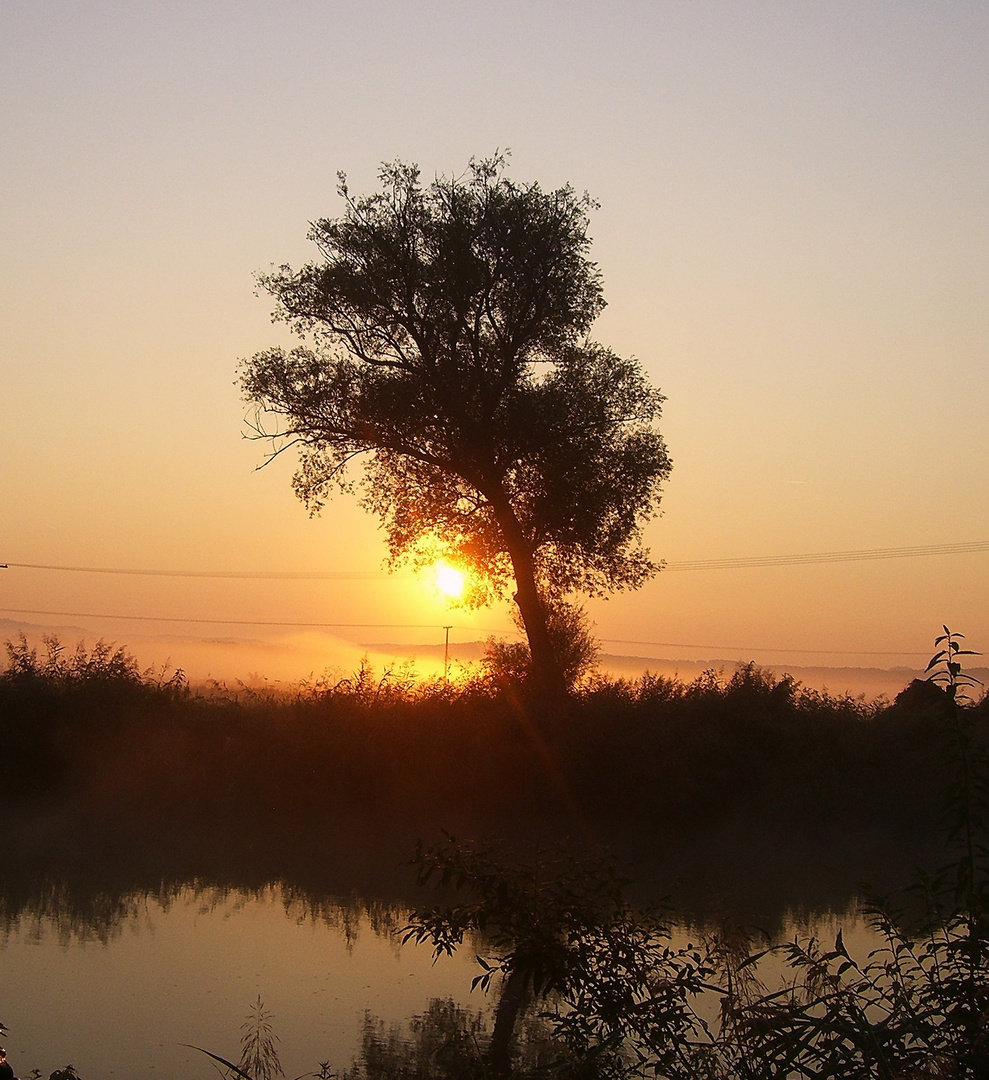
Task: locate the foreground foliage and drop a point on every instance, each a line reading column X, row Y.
column 589, row 984
column 591, row 987
column 476, row 756
column 620, row 1001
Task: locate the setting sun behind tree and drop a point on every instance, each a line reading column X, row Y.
column 450, row 582
column 451, row 355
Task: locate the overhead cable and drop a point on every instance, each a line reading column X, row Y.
column 728, row 563
column 763, row 648
column 274, row 575
column 225, row 622
column 747, row 649
column 821, row 557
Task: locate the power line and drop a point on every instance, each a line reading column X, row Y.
column 822, row 557
column 275, row 575
column 728, row 563
column 227, row 622
column 763, row 648
column 437, row 626
column 814, row 558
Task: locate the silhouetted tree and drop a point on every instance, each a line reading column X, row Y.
column 448, row 331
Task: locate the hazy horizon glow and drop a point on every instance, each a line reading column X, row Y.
column 793, row 240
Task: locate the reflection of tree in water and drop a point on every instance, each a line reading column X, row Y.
column 348, row 916
column 561, row 937
column 74, row 913
column 56, row 908
column 444, row 1041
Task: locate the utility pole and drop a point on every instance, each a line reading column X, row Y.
column 446, row 654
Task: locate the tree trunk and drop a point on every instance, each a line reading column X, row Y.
column 510, row 1006
column 547, row 676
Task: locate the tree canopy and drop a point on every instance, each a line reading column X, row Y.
column 445, row 343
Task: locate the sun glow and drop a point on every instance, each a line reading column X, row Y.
column 449, row 581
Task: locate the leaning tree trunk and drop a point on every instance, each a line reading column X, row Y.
column 507, row 1014
column 547, row 675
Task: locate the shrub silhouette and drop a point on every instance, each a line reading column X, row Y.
column 510, row 662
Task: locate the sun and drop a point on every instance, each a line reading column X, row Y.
column 449, row 580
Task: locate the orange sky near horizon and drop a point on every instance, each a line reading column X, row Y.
column 793, row 237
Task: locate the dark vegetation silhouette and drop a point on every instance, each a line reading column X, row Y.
column 589, row 981
column 136, row 778
column 574, row 648
column 614, row 997
column 540, row 919
column 448, row 326
column 621, row 1001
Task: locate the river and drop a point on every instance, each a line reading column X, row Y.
column 125, row 995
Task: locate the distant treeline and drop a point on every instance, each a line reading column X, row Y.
column 139, row 761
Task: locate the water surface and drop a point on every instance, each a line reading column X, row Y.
column 186, row 969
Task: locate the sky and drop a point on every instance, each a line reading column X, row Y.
column 793, row 239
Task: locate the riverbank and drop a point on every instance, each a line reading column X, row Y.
column 747, row 791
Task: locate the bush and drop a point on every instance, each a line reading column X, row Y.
column 509, row 662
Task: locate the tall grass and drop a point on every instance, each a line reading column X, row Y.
column 89, row 730
column 128, row 765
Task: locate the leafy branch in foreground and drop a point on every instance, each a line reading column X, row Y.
column 560, row 932
column 625, row 1003
column 945, row 670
